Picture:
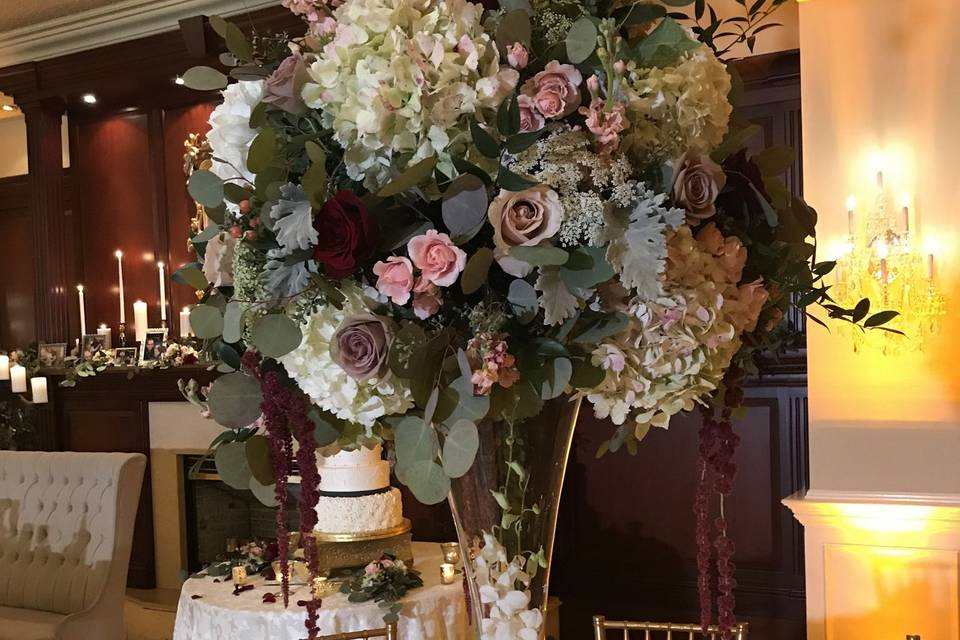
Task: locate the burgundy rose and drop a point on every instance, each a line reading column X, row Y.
column 361, row 344
column 348, row 234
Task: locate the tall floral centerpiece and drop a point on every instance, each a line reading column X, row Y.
column 443, row 228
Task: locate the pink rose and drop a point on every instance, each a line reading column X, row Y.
column 426, row 298
column 281, row 88
column 555, row 90
column 435, row 254
column 530, row 118
column 697, row 182
column 517, row 56
column 731, row 255
column 605, row 124
column 395, row 278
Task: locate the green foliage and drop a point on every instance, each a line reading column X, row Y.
column 206, row 188
column 665, row 44
column 582, row 40
column 206, row 321
column 204, row 79
column 475, row 274
column 414, row 175
column 275, row 335
column 234, row 400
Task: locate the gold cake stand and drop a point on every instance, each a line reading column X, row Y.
column 348, row 550
column 404, row 527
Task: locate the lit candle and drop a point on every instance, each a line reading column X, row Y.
column 239, row 576
column 4, row 367
column 119, row 254
column 185, row 328
column 140, row 320
column 448, row 573
column 880, row 180
column 451, row 552
column 851, row 205
column 38, row 385
column 905, row 203
column 929, row 276
column 163, row 293
column 18, row 379
column 83, row 311
column 884, row 275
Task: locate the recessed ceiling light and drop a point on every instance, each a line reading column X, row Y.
column 89, row 98
column 178, row 80
column 8, row 107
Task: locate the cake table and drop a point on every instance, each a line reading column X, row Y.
column 433, row 612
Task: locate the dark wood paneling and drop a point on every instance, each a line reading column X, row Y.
column 116, row 182
column 177, row 125
column 17, row 320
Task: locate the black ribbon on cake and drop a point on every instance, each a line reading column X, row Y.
column 354, row 494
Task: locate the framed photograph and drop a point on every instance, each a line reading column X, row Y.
column 125, row 356
column 92, row 344
column 52, row 355
column 153, row 345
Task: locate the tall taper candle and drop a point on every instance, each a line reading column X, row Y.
column 18, row 379
column 83, row 311
column 163, row 293
column 929, row 277
column 4, row 367
column 905, row 203
column 123, row 313
column 140, row 320
column 185, row 327
column 851, row 205
column 38, row 384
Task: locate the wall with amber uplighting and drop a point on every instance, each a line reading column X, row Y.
column 881, row 90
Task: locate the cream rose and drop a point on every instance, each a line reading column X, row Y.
column 697, row 182
column 523, row 219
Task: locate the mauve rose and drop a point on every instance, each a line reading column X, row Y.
column 555, row 90
column 523, row 218
column 361, row 344
column 697, row 182
column 281, row 88
column 347, row 234
column 530, row 118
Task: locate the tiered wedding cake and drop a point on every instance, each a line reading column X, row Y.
column 355, row 494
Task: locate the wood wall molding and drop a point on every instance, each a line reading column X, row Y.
column 116, row 22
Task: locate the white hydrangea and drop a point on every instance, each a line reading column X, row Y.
column 230, row 133
column 505, row 592
column 312, row 366
column 679, row 108
column 399, row 78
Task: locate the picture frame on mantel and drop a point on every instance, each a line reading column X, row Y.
column 153, row 345
column 91, row 344
column 126, row 356
column 52, row 355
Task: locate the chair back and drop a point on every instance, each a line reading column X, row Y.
column 389, row 632
column 66, row 527
column 653, row 630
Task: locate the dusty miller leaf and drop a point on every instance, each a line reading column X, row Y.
column 556, row 300
column 292, row 219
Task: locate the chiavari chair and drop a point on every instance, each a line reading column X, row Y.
column 673, row 631
column 389, row 632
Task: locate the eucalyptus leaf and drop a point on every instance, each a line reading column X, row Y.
column 415, row 441
column 559, row 372
column 458, row 402
column 540, row 256
column 665, row 44
column 262, row 150
column 602, row 327
column 515, row 27
column 735, row 140
column 266, row 494
column 478, row 268
column 411, row 177
column 275, row 335
column 484, row 142
column 232, row 319
column 192, row 276
column 206, row 188
column 427, row 481
column 511, row 181
column 236, row 41
column 231, row 461
column 206, row 321
column 258, row 459
column 586, row 375
column 204, row 79
column 235, row 193
column 522, row 296
column 581, row 40
column 465, row 207
column 586, row 268
column 315, row 183
column 234, row 400
column 327, row 427
column 460, row 448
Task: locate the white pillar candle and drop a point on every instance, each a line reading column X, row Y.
column 4, row 367
column 239, row 575
column 123, row 314
column 38, row 385
column 185, row 328
column 163, row 293
column 83, row 311
column 140, row 320
column 18, row 379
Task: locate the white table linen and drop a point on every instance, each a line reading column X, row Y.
column 432, row 612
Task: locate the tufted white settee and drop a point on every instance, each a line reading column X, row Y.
column 66, row 526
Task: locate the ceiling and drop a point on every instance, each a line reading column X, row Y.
column 15, row 14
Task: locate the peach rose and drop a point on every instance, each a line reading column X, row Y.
column 555, row 90
column 395, row 278
column 523, row 219
column 435, row 254
column 426, row 298
column 530, row 118
column 696, row 184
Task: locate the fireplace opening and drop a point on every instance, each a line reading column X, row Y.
column 219, row 518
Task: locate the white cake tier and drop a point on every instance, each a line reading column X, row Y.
column 361, row 514
column 354, row 471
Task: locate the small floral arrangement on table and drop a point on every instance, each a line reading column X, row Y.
column 426, row 215
column 255, row 556
column 384, row 581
